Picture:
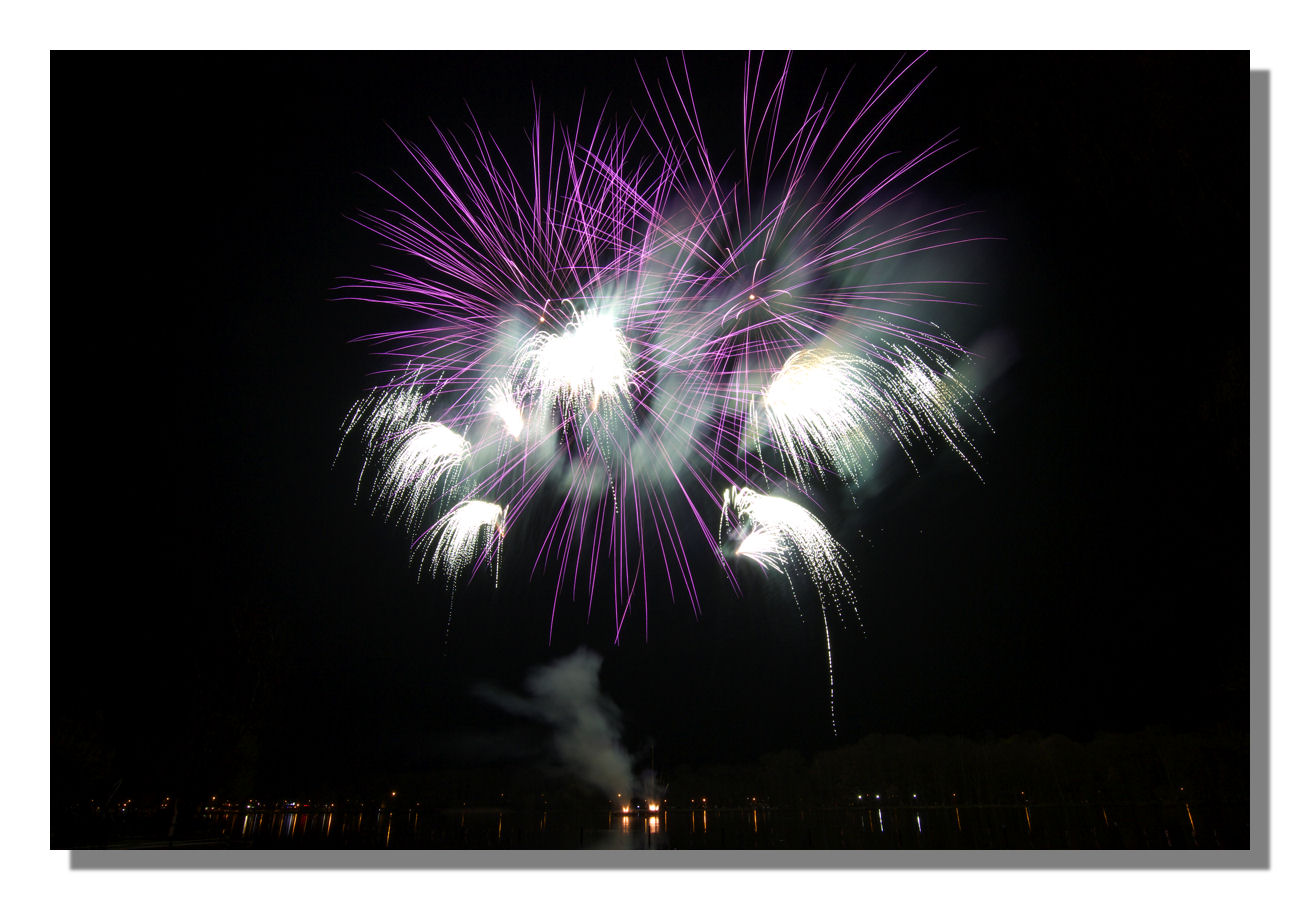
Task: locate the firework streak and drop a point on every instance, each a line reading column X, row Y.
column 627, row 337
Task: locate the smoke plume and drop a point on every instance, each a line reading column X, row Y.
column 586, row 725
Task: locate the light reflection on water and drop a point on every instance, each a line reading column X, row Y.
column 1013, row 826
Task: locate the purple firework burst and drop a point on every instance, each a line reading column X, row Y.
column 632, row 332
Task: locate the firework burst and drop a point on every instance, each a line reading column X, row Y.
column 780, row 535
column 823, row 405
column 422, row 457
column 577, row 368
column 469, row 534
column 619, row 334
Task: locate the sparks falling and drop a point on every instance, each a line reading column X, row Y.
column 781, row 536
column 421, row 458
column 820, row 406
column 503, row 406
column 469, row 534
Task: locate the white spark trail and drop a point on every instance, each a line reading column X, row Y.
column 820, row 405
column 416, row 463
column 379, row 415
column 826, row 408
column 457, row 539
column 782, row 536
column 502, row 404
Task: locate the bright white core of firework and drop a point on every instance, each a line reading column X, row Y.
column 765, row 547
column 818, row 403
column 585, row 363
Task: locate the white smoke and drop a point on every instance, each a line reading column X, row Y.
column 586, row 725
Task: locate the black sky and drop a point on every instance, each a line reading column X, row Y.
column 213, row 577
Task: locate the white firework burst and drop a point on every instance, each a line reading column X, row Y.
column 378, row 416
column 826, row 408
column 782, row 536
column 471, row 531
column 417, row 461
column 586, row 363
column 820, row 406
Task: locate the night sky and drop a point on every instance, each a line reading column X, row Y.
column 220, row 598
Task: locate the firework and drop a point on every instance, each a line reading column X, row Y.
column 823, row 405
column 378, row 416
column 781, row 535
column 578, row 367
column 928, row 401
column 420, row 459
column 618, row 333
column 468, row 534
column 503, row 406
